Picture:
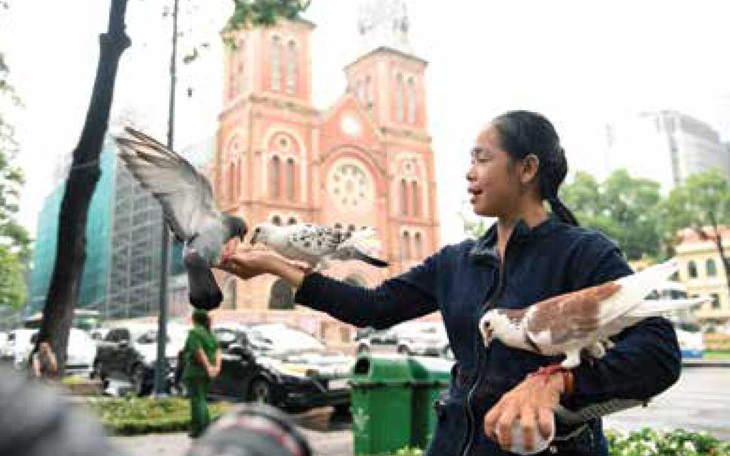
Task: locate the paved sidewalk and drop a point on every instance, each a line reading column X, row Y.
column 331, row 443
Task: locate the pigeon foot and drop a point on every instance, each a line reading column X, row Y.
column 547, row 371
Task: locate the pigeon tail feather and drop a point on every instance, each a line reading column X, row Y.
column 658, row 307
column 364, row 241
column 634, row 289
column 370, row 260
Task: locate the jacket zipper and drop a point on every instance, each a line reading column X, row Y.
column 469, row 412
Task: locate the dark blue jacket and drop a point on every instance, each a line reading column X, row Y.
column 462, row 280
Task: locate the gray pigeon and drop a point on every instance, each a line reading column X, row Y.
column 316, row 245
column 584, row 319
column 189, row 209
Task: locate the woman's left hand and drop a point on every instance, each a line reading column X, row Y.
column 531, row 403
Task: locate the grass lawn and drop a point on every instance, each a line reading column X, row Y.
column 712, row 354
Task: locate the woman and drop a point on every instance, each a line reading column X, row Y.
column 527, row 256
column 202, row 364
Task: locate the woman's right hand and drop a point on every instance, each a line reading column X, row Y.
column 247, row 263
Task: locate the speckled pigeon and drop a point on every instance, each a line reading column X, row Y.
column 316, row 245
column 584, row 319
column 189, row 209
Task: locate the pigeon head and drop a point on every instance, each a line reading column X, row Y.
column 261, row 232
column 486, row 326
column 503, row 324
column 236, row 227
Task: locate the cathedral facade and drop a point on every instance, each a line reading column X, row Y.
column 366, row 161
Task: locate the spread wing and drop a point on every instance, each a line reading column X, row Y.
column 185, row 195
column 568, row 317
column 315, row 241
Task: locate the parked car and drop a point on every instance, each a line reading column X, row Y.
column 691, row 339
column 409, row 338
column 18, row 346
column 128, row 354
column 281, row 366
column 80, row 352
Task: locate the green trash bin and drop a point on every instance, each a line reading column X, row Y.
column 430, row 377
column 381, row 404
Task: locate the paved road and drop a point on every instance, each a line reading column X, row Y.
column 699, row 401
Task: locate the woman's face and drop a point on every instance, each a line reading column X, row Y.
column 493, row 189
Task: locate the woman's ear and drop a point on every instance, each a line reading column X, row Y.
column 529, row 168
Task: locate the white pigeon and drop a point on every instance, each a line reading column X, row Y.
column 188, row 206
column 583, row 319
column 316, row 245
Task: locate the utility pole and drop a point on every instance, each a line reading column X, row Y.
column 161, row 364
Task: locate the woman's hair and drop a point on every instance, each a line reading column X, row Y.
column 201, row 317
column 522, row 133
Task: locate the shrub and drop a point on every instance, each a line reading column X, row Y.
column 648, row 442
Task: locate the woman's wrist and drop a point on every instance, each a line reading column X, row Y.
column 290, row 273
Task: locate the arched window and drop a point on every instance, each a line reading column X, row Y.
column 360, row 92
column 276, row 64
column 692, row 270
column 291, row 67
column 292, row 221
column 418, row 244
column 368, row 93
column 275, row 177
column 399, row 95
column 351, row 227
column 229, row 296
column 414, row 198
column 338, row 226
column 711, row 268
column 403, row 197
column 281, row 297
column 411, row 101
column 405, row 246
column 289, row 179
column 276, row 220
column 232, row 190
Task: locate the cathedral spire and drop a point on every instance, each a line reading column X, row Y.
column 384, row 23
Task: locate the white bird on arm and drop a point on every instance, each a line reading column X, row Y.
column 316, row 245
column 584, row 319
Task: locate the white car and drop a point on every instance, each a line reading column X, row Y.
column 18, row 346
column 691, row 343
column 422, row 338
column 80, row 351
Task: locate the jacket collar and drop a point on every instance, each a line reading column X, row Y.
column 485, row 250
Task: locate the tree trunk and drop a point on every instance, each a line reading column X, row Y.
column 83, row 176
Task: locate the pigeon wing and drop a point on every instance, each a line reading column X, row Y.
column 568, row 317
column 314, row 241
column 185, row 195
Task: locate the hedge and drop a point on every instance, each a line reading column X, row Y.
column 132, row 415
column 647, row 442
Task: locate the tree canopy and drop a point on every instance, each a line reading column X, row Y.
column 14, row 239
column 622, row 207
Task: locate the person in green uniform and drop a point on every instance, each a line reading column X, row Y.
column 202, row 364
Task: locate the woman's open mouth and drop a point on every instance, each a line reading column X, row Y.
column 474, row 193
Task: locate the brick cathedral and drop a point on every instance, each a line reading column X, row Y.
column 364, row 161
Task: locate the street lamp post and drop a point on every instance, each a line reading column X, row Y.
column 161, row 364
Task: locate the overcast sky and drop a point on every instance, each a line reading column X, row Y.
column 582, row 63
